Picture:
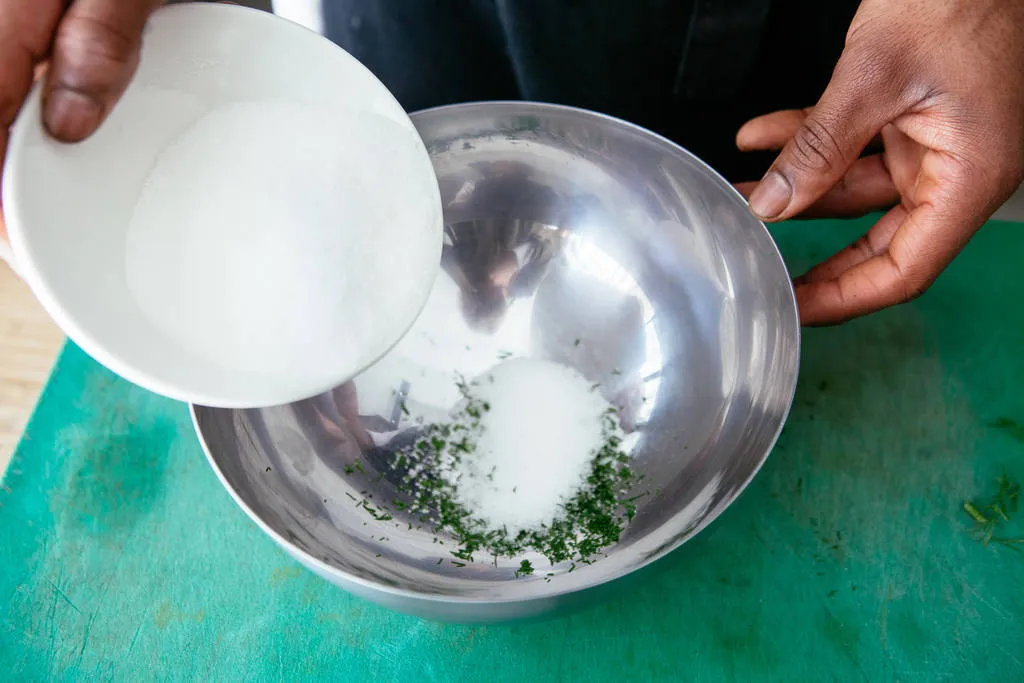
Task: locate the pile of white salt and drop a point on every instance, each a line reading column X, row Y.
column 537, row 439
column 289, row 242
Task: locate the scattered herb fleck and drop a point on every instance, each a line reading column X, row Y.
column 990, row 517
column 973, row 512
column 1009, row 426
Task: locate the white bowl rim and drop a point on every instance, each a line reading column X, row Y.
column 34, row 274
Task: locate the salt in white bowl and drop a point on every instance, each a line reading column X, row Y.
column 233, row 282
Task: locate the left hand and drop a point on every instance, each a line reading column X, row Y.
column 940, row 81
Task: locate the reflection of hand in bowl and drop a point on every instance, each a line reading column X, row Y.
column 336, row 413
column 495, row 262
column 484, row 307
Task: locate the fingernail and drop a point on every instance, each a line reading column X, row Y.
column 771, row 197
column 71, row 116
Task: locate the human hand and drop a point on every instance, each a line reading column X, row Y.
column 942, row 83
column 87, row 51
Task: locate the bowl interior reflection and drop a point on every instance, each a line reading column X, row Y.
column 570, row 237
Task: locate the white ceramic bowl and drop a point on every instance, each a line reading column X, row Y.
column 69, row 207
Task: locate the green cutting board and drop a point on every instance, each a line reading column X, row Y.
column 848, row 558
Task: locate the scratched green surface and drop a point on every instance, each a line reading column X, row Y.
column 848, row 558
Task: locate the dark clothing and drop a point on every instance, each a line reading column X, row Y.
column 692, row 70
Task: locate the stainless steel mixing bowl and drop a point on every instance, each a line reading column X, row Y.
column 571, row 237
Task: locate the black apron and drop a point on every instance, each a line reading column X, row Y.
column 692, row 70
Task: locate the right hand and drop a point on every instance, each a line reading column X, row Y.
column 87, row 51
column 939, row 83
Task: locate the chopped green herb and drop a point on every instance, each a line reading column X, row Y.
column 525, row 568
column 379, row 514
column 973, row 512
column 989, row 518
column 591, row 520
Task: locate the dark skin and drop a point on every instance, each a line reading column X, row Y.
column 937, row 83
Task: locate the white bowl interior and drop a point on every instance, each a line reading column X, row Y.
column 68, row 207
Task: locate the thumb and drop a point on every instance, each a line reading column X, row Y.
column 851, row 112
column 95, row 52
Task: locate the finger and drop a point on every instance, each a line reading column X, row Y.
column 922, row 245
column 875, row 243
column 3, row 152
column 865, row 188
column 851, row 112
column 746, row 187
column 25, row 32
column 771, row 131
column 95, row 54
